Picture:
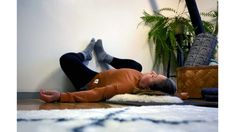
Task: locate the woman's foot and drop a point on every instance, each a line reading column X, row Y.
column 87, row 53
column 101, row 55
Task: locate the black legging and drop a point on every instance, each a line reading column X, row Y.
column 80, row 74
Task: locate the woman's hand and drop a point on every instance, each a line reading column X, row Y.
column 49, row 95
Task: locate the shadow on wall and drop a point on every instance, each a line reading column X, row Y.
column 104, row 66
column 57, row 80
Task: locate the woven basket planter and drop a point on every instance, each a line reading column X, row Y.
column 193, row 79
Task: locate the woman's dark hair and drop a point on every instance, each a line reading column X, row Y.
column 167, row 86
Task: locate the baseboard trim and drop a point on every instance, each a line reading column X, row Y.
column 27, row 95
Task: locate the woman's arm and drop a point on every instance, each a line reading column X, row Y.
column 93, row 95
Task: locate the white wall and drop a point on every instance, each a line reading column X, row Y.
column 46, row 29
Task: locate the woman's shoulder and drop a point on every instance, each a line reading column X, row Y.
column 129, row 70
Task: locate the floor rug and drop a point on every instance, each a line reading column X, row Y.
column 167, row 118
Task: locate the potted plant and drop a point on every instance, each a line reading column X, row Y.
column 172, row 37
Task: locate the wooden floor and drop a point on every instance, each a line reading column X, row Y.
column 37, row 104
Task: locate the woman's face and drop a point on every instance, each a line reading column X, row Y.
column 150, row 78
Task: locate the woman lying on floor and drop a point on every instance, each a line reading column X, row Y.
column 101, row 86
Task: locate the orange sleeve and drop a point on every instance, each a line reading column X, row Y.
column 93, row 95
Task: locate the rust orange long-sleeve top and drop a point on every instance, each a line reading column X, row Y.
column 105, row 85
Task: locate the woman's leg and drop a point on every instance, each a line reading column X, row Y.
column 125, row 63
column 76, row 71
column 102, row 56
column 73, row 67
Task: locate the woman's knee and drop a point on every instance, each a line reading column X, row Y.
column 67, row 57
column 137, row 66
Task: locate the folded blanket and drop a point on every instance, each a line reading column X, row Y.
column 209, row 91
column 213, row 98
column 210, row 94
